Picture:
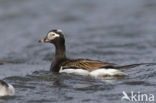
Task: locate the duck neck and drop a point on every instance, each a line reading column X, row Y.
column 60, row 51
column 60, row 55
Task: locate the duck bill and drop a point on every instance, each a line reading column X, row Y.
column 43, row 40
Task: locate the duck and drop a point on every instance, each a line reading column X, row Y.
column 80, row 66
column 6, row 89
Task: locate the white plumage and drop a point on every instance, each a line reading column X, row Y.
column 96, row 73
column 6, row 89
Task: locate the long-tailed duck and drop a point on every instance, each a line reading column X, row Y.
column 6, row 89
column 89, row 67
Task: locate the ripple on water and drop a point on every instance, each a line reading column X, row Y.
column 101, row 29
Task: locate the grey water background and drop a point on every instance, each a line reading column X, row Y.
column 116, row 31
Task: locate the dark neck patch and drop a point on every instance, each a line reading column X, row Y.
column 56, row 65
column 3, row 83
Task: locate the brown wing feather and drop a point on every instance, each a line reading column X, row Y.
column 90, row 65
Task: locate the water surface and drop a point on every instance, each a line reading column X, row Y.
column 121, row 32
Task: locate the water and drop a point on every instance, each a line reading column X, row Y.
column 121, row 32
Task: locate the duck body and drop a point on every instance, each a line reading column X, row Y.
column 6, row 89
column 88, row 67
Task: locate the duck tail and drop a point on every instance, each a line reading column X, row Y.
column 133, row 66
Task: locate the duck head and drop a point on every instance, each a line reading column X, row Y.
column 54, row 36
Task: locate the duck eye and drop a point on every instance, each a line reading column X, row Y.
column 52, row 34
